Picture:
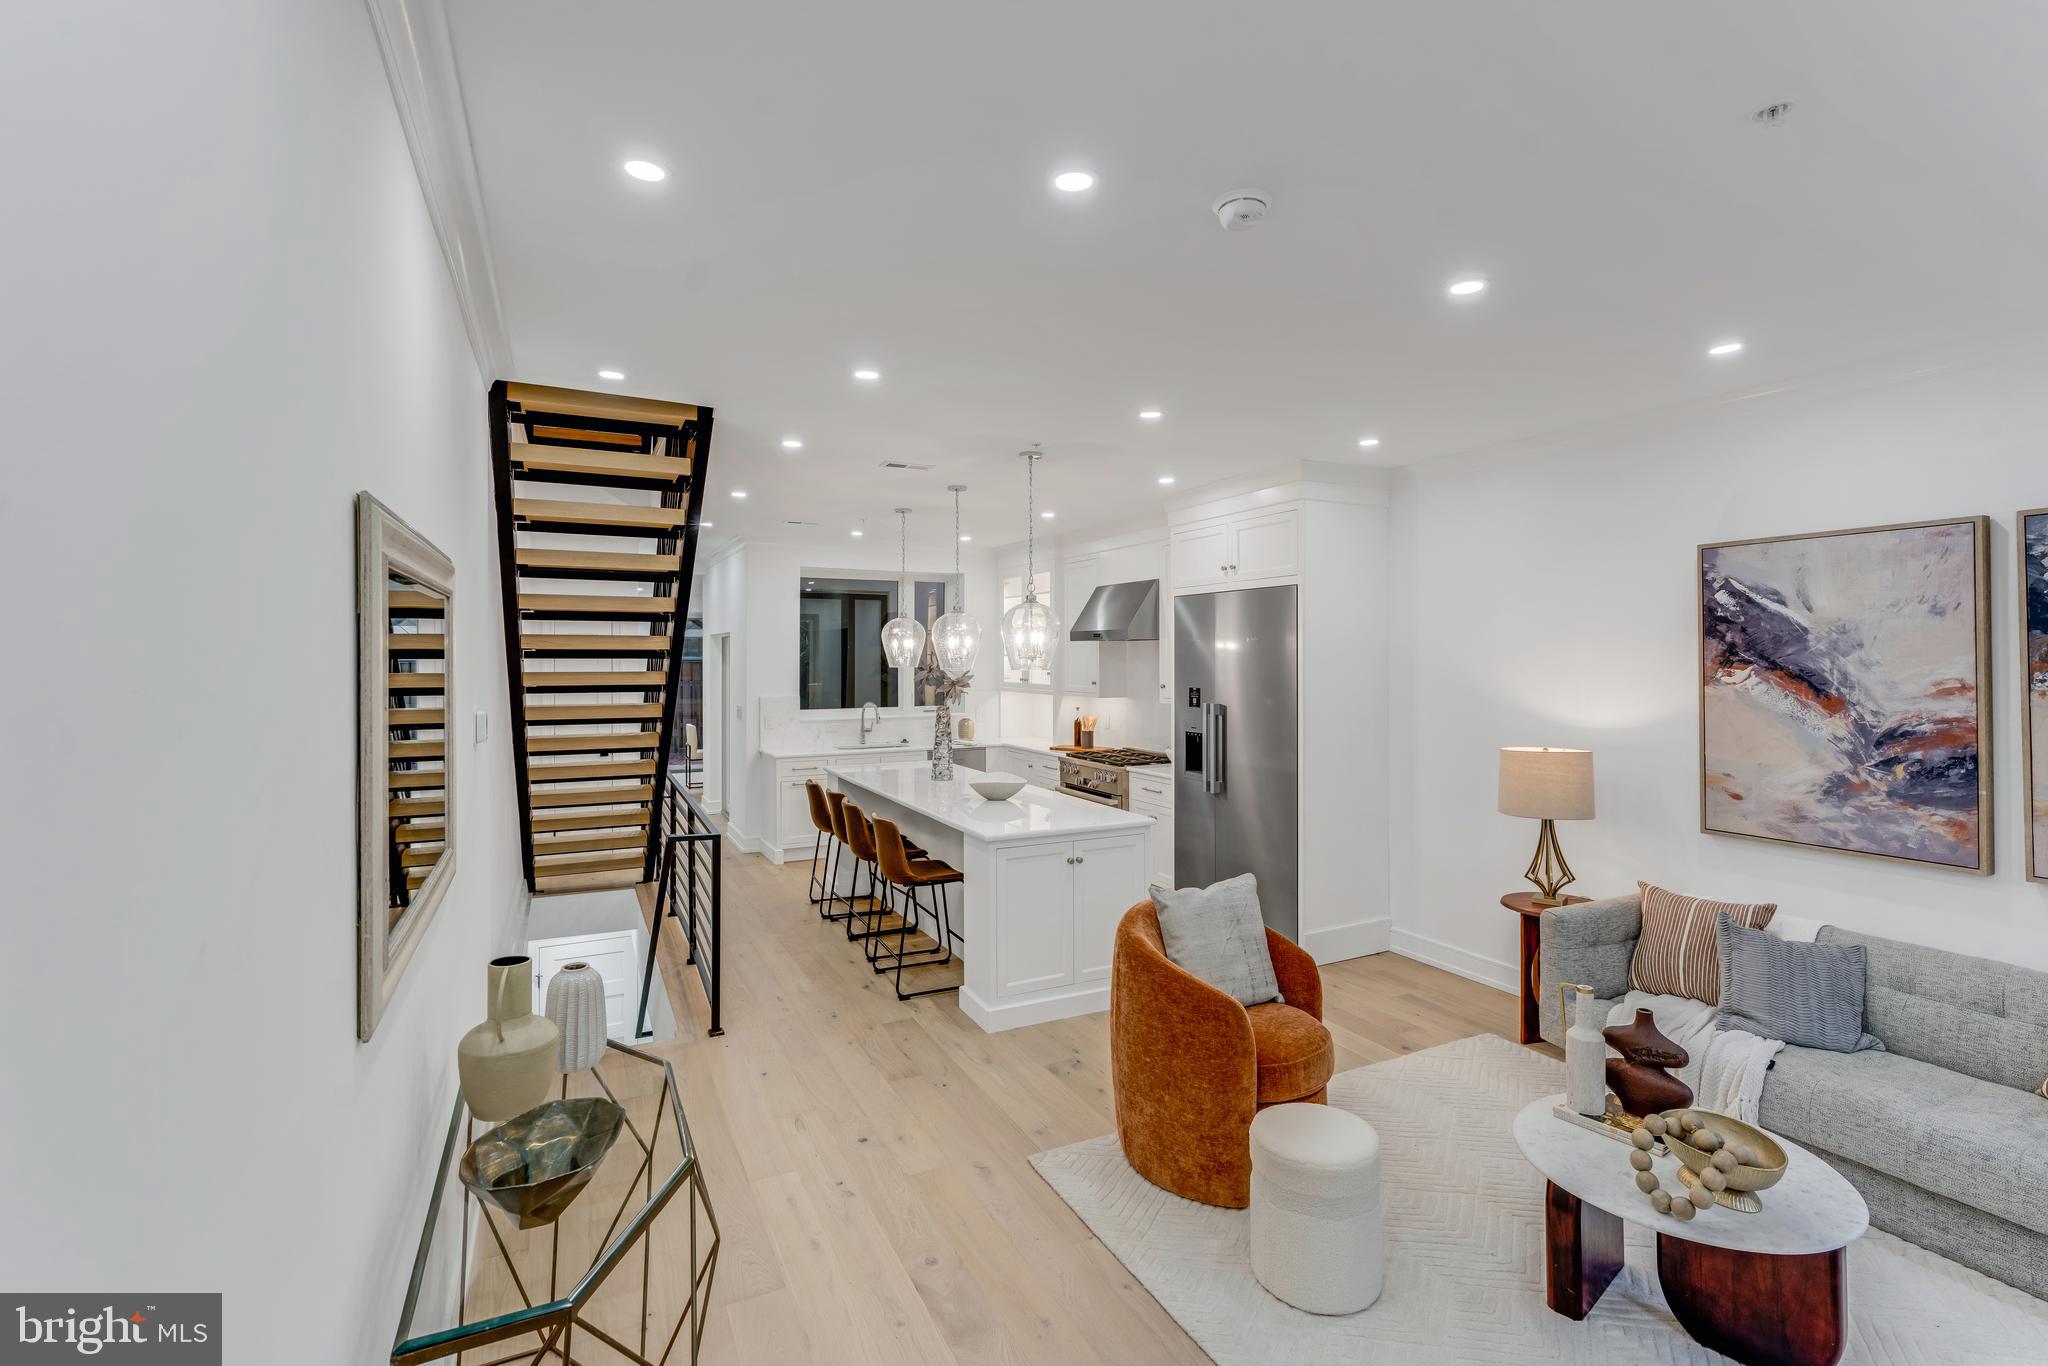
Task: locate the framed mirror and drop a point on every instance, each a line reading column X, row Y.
column 405, row 797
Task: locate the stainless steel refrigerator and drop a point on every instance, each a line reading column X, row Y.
column 1237, row 775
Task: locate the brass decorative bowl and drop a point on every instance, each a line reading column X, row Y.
column 533, row 1165
column 1766, row 1174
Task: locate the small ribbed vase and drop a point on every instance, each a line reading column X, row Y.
column 507, row 1063
column 576, row 1005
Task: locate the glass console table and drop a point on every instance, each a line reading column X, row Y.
column 626, row 1266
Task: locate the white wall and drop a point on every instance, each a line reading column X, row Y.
column 227, row 313
column 1548, row 597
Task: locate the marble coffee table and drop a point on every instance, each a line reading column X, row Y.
column 1764, row 1288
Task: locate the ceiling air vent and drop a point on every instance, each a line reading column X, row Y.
column 793, row 522
column 1772, row 114
column 904, row 465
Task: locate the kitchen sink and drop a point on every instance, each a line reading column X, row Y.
column 856, row 749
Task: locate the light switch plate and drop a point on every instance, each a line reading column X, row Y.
column 483, row 725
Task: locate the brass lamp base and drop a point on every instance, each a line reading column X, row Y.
column 1547, row 869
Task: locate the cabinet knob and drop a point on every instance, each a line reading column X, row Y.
column 1070, row 858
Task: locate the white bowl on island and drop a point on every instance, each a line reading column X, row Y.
column 997, row 787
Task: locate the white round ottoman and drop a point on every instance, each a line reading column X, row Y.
column 1317, row 1226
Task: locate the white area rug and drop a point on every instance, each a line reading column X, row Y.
column 1465, row 1248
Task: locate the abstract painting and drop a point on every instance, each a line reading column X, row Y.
column 1845, row 691
column 2033, row 539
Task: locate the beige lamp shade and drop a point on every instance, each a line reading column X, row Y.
column 1546, row 784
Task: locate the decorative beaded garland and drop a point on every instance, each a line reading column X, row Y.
column 1689, row 1126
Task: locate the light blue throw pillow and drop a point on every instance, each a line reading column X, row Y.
column 1806, row 994
column 1218, row 934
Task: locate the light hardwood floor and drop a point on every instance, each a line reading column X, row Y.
column 867, row 1157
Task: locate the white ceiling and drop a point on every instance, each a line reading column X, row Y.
column 868, row 185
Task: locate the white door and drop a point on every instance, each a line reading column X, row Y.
column 1200, row 557
column 1268, row 547
column 1080, row 664
column 611, row 954
column 1035, row 933
column 1110, row 877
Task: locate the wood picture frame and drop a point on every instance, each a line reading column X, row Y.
column 405, row 794
column 1908, row 750
column 2030, row 531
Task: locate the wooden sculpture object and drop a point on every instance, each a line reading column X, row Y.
column 1641, row 1077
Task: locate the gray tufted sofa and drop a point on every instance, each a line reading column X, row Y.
column 1942, row 1133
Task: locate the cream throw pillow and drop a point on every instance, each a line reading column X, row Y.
column 1678, row 952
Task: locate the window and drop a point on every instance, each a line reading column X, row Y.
column 1013, row 593
column 840, row 664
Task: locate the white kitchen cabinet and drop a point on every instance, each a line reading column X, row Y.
column 1152, row 795
column 1077, row 889
column 1080, row 660
column 1240, row 550
column 1106, row 868
column 795, row 836
column 1040, row 770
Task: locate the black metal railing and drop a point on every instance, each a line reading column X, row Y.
column 688, row 887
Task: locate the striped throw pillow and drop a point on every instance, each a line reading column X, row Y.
column 1678, row 953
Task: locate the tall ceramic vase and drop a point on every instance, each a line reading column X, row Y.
column 1585, row 1056
column 942, row 741
column 576, row 1005
column 507, row 1063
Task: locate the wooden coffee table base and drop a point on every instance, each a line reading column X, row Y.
column 1757, row 1308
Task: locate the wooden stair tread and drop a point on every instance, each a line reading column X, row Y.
column 416, row 683
column 420, row 834
column 644, row 565
column 565, row 643
column 419, row 780
column 595, row 821
column 417, row 718
column 579, row 844
column 596, row 605
column 416, row 749
column 561, row 513
column 584, row 773
column 614, row 680
column 418, row 806
column 590, row 796
column 587, row 863
column 621, row 465
column 585, row 743
column 595, row 711
column 542, row 433
column 417, row 643
column 544, row 398
column 421, row 858
column 585, row 882
column 410, row 602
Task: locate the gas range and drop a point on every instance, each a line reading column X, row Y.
column 1099, row 775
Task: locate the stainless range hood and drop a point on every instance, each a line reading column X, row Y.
column 1119, row 611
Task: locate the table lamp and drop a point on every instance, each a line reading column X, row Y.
column 1548, row 785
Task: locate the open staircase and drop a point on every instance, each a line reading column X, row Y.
column 598, row 502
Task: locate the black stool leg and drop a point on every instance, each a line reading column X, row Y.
column 817, row 850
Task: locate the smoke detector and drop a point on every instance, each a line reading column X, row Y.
column 1238, row 210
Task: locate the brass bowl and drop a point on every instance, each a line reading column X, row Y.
column 533, row 1165
column 1743, row 1178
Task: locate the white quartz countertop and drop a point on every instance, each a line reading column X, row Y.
column 817, row 751
column 1034, row 813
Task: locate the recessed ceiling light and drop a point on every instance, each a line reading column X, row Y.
column 966, row 538
column 739, row 493
column 867, row 374
column 1048, row 515
column 701, row 523
column 1073, row 182
column 856, row 532
column 1462, row 288
column 1166, row 479
column 1150, row 415
column 645, row 170
column 611, row 374
column 1726, row 348
column 790, row 443
column 1368, row 442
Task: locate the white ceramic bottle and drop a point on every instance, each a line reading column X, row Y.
column 1585, row 1056
column 507, row 1063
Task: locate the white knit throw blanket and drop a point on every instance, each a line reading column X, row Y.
column 1727, row 1067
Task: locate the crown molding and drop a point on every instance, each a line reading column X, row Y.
column 426, row 86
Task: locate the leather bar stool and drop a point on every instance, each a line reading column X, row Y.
column 821, row 816
column 911, row 875
column 860, row 842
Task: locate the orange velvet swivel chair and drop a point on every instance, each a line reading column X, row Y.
column 1191, row 1066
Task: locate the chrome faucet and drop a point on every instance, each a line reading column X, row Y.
column 865, row 724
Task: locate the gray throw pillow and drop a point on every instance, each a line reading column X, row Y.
column 1218, row 934
column 1806, row 994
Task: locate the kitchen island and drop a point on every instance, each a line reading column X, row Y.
column 1048, row 878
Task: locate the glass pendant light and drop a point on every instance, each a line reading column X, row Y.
column 1029, row 628
column 956, row 636
column 902, row 634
